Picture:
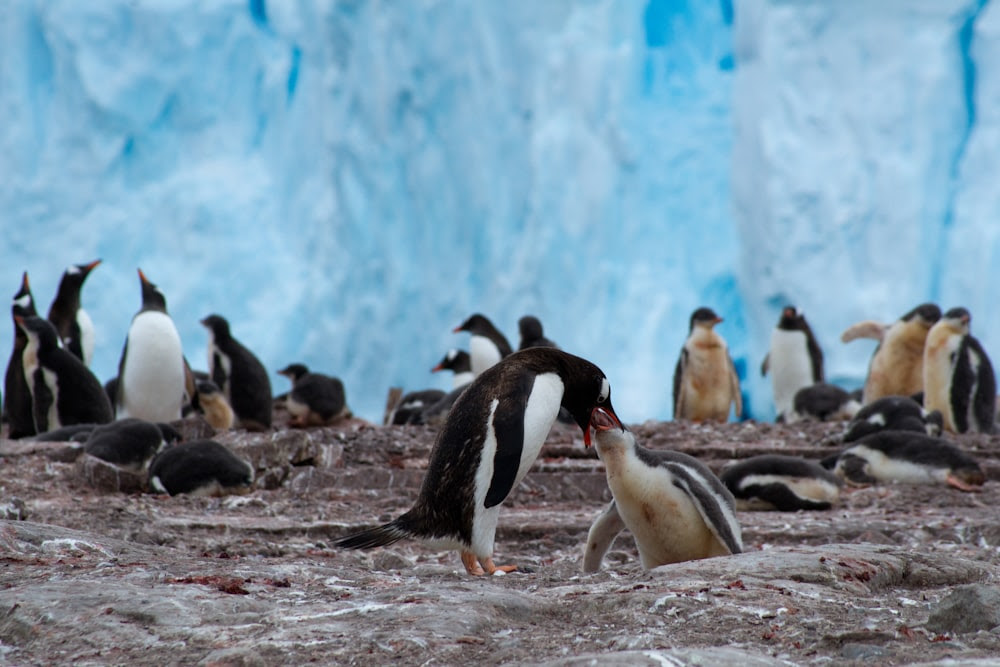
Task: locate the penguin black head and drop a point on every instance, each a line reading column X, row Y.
column 152, row 298
column 587, row 389
column 476, row 324
column 530, row 327
column 926, row 313
column 23, row 304
column 958, row 318
column 169, row 433
column 705, row 317
column 294, row 371
column 454, row 360
column 218, row 325
column 40, row 329
column 75, row 274
column 791, row 319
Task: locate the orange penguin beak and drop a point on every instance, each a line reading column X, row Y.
column 142, row 276
column 601, row 419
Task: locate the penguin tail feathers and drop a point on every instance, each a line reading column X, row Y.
column 380, row 536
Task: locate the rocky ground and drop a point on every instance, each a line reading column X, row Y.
column 95, row 571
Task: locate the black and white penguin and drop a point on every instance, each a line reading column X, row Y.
column 705, row 380
column 909, row 458
column 674, row 506
column 958, row 376
column 794, row 360
column 490, row 440
column 487, row 346
column 63, row 391
column 897, row 365
column 213, row 405
column 531, row 333
column 410, row 407
column 202, row 468
column 76, row 330
column 16, row 395
column 783, row 483
column 893, row 413
column 240, row 375
column 460, row 364
column 823, row 402
column 151, row 372
column 315, row 399
column 74, row 433
column 129, row 443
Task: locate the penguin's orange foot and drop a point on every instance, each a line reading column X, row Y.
column 490, row 568
column 962, row 485
column 471, row 564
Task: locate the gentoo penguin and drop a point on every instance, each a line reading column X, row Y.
column 896, row 367
column 315, row 399
column 910, row 458
column 200, row 467
column 16, row 395
column 74, row 433
column 893, row 413
column 151, row 374
column 794, row 359
column 63, row 391
column 674, row 506
column 129, row 443
column 490, row 440
column 823, row 402
column 76, row 330
column 460, row 364
column 487, row 345
column 240, row 375
column 783, row 483
column 410, row 407
column 958, row 376
column 213, row 405
column 531, row 333
column 705, row 380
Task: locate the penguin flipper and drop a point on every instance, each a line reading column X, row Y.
column 508, row 426
column 600, row 537
column 734, row 388
column 709, row 497
column 41, row 403
column 765, row 365
column 219, row 376
column 678, row 374
column 866, row 329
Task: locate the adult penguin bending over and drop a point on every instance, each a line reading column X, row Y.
column 490, row 440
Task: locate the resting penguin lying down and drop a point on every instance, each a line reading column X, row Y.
column 673, row 505
column 783, row 483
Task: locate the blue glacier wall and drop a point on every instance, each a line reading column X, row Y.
column 347, row 181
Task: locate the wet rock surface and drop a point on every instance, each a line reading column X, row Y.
column 89, row 574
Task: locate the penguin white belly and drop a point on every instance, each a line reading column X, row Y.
column 539, row 414
column 938, row 370
column 706, row 385
column 790, row 367
column 883, row 468
column 227, row 366
column 30, row 364
column 153, row 380
column 804, row 487
column 483, row 353
column 667, row 526
column 86, row 335
column 462, row 379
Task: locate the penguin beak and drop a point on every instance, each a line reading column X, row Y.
column 437, row 368
column 87, row 268
column 142, row 277
column 601, row 419
column 457, row 329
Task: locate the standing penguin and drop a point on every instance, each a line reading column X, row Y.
column 487, row 346
column 239, row 374
column 16, row 394
column 794, row 360
column 75, row 328
column 674, row 506
column 897, row 365
column 531, row 333
column 490, row 440
column 958, row 376
column 705, row 380
column 63, row 391
column 151, row 375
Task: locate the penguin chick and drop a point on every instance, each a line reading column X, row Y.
column 823, row 402
column 128, row 443
column 487, row 346
column 783, row 483
column 201, row 468
column 151, row 372
column 705, row 380
column 76, row 330
column 63, row 391
column 16, row 395
column 315, row 399
column 794, row 360
column 240, row 375
column 958, row 376
column 210, row 401
column 490, row 440
column 893, row 413
column 674, row 506
column 910, row 458
column 530, row 328
column 896, row 367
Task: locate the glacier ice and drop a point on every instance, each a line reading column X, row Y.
column 347, row 181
